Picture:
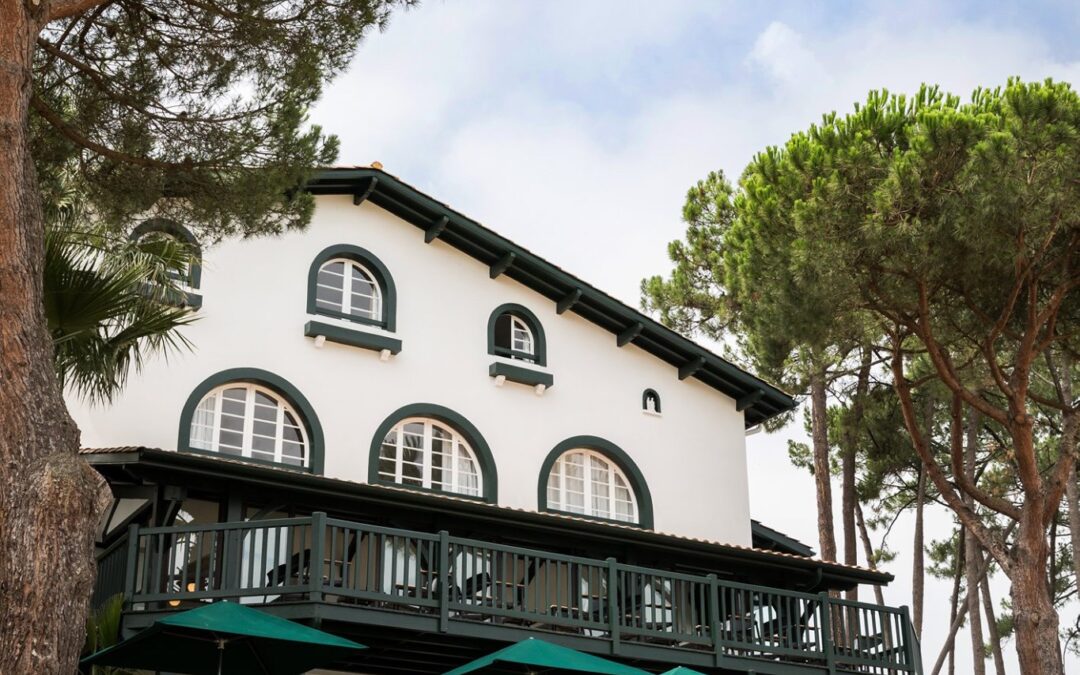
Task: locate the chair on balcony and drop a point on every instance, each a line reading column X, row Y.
column 297, row 570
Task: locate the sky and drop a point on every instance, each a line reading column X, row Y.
column 575, row 129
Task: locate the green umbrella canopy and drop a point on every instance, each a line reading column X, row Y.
column 226, row 637
column 681, row 670
column 532, row 654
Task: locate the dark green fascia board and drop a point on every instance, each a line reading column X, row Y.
column 627, row 336
column 521, row 375
column 194, row 469
column 526, row 315
column 432, row 233
column 501, row 265
column 352, row 337
column 455, row 420
column 368, row 260
column 689, row 369
column 748, row 400
column 568, row 301
column 615, row 454
column 267, row 379
column 363, row 192
column 549, row 280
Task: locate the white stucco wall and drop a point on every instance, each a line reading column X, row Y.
column 253, row 315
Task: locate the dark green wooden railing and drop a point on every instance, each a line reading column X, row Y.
column 320, row 559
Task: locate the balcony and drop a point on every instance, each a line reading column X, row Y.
column 357, row 578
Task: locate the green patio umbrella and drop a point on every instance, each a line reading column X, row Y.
column 681, row 670
column 537, row 656
column 226, row 638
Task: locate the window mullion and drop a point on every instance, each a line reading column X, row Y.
column 587, row 467
column 279, row 434
column 249, row 415
column 425, row 472
column 612, row 509
column 346, row 289
column 215, row 425
column 399, row 459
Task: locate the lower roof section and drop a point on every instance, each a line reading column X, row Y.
column 201, row 476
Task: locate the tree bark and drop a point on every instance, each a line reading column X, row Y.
column 820, row 440
column 848, row 498
column 954, row 626
column 1037, row 643
column 868, row 550
column 972, row 554
column 991, row 626
column 918, row 565
column 959, row 559
column 51, row 500
column 1072, row 490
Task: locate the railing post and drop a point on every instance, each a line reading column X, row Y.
column 912, row 651
column 827, row 632
column 132, row 564
column 315, row 564
column 714, row 618
column 444, row 574
column 613, row 604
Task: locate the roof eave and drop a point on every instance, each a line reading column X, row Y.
column 758, row 399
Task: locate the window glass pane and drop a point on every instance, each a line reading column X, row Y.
column 228, row 441
column 202, row 424
column 328, row 298
column 232, row 423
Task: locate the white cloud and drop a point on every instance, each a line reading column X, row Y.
column 783, row 53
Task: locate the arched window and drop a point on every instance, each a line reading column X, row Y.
column 422, row 452
column 429, row 447
column 250, row 413
column 586, row 482
column 347, row 287
column 515, row 332
column 593, row 477
column 250, row 421
column 348, row 282
column 650, row 401
column 150, row 233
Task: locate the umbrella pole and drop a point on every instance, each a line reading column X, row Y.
column 221, row 655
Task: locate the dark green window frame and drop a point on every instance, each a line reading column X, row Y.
column 526, row 315
column 378, row 270
column 490, row 484
column 645, row 400
column 269, row 380
column 621, row 460
column 181, row 233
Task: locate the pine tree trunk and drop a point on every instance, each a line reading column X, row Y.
column 991, row 626
column 1036, row 620
column 1072, row 490
column 973, row 554
column 954, row 605
column 50, row 500
column 849, row 499
column 868, row 549
column 918, row 555
column 820, row 440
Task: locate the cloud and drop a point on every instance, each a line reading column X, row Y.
column 784, row 55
